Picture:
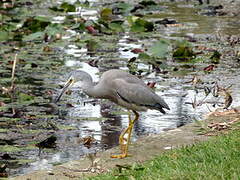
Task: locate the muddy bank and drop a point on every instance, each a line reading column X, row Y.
column 208, row 33
column 153, row 145
column 146, row 148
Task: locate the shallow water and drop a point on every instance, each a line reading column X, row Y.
column 104, row 120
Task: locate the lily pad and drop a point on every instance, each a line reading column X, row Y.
column 4, row 35
column 116, row 27
column 9, row 148
column 36, row 24
column 34, row 36
column 106, row 14
column 139, row 24
column 215, row 58
column 159, row 49
column 184, row 52
column 22, row 97
column 122, row 8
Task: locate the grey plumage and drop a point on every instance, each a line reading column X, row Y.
column 125, row 90
column 122, row 88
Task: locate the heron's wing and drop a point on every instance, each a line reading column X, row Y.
column 139, row 94
column 120, row 74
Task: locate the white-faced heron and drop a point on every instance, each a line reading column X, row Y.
column 123, row 89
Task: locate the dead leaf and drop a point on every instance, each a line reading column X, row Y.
column 137, row 50
column 87, row 141
column 219, row 126
column 224, row 113
column 209, row 68
column 69, row 105
column 228, row 98
column 151, row 84
column 91, row 30
column 2, row 104
column 174, row 25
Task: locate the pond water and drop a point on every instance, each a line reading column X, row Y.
column 80, row 116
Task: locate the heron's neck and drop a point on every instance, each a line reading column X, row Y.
column 93, row 90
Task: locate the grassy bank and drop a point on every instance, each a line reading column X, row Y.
column 218, row 158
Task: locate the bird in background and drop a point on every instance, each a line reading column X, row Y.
column 123, row 89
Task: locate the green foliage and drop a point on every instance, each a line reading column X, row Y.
column 123, row 7
column 33, row 36
column 64, row 7
column 36, row 24
column 8, row 148
column 217, row 158
column 183, row 52
column 106, row 14
column 4, row 35
column 116, row 26
column 159, row 49
column 68, row 7
column 53, row 29
column 148, row 3
column 144, row 56
column 22, row 97
column 215, row 58
column 139, row 24
column 92, row 45
column 50, row 30
column 84, row 4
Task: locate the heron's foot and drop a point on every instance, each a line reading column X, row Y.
column 120, row 156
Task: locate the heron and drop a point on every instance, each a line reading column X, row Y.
column 122, row 88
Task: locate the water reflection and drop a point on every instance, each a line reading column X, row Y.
column 99, row 120
column 110, row 137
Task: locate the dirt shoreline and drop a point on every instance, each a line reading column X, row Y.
column 145, row 148
column 153, row 145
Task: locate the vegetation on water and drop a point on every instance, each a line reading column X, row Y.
column 35, row 37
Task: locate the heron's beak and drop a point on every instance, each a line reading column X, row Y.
column 69, row 82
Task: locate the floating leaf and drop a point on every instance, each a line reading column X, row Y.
column 159, row 49
column 36, row 24
column 4, row 35
column 117, row 27
column 92, row 45
column 10, row 148
column 43, row 18
column 144, row 56
column 34, row 36
column 54, row 29
column 22, row 97
column 148, row 3
column 215, row 58
column 68, row 7
column 132, row 19
column 184, row 52
column 106, row 14
column 84, row 4
column 122, row 8
column 64, row 7
column 140, row 25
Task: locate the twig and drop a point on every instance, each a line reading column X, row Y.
column 209, row 108
column 13, row 71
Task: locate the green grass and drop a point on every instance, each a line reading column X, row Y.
column 218, row 158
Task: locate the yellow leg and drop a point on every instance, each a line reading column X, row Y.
column 124, row 142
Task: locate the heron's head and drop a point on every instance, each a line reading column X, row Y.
column 82, row 78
